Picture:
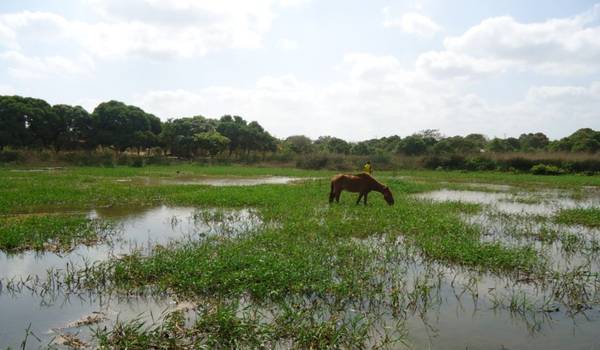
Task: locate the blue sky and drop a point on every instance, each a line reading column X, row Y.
column 352, row 69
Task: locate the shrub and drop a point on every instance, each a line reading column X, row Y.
column 543, row 169
column 10, row 157
column 481, row 163
column 519, row 163
column 324, row 161
column 137, row 162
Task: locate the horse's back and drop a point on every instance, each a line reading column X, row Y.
column 350, row 182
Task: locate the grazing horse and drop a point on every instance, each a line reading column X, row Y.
column 361, row 183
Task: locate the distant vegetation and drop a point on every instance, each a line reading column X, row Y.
column 116, row 133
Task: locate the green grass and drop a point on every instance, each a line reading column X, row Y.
column 587, row 217
column 311, row 261
column 48, row 232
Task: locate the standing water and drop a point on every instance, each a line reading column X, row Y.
column 52, row 316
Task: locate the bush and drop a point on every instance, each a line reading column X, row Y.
column 543, row 169
column 324, row 161
column 481, row 163
column 137, row 162
column 93, row 158
column 10, row 157
column 158, row 160
column 519, row 163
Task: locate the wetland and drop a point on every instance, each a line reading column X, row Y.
column 239, row 257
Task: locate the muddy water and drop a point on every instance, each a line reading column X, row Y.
column 138, row 229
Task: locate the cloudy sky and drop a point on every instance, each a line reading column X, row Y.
column 355, row 69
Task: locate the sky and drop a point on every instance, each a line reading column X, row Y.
column 353, row 69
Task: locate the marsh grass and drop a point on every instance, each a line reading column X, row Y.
column 580, row 216
column 313, row 275
column 50, row 232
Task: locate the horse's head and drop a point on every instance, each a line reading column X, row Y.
column 387, row 195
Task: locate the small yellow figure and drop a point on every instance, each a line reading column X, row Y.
column 367, row 168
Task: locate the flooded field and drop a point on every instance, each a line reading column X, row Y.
column 465, row 265
column 52, row 314
column 214, row 181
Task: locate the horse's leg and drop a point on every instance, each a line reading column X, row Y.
column 331, row 194
column 337, row 195
column 366, row 194
column 359, row 197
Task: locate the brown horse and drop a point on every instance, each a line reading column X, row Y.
column 361, row 183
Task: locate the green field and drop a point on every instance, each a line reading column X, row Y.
column 301, row 277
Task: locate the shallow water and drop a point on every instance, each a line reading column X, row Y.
column 215, row 181
column 536, row 203
column 470, row 310
column 139, row 229
column 462, row 311
column 518, row 218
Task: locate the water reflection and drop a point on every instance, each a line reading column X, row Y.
column 138, row 229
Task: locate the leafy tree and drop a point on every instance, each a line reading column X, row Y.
column 77, row 127
column 44, row 125
column 234, row 128
column 178, row 134
column 532, row 142
column 299, row 144
column 362, row 149
column 413, row 145
column 477, row 140
column 13, row 121
column 211, row 142
column 456, row 144
column 333, row 145
column 117, row 123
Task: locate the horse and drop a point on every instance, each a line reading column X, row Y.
column 361, row 183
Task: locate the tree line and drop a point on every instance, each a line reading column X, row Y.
column 32, row 123
column 432, row 142
column 27, row 122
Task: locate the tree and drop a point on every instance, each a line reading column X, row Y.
column 13, row 121
column 78, row 128
column 178, row 134
column 118, row 124
column 532, row 142
column 456, row 144
column 211, row 142
column 299, row 144
column 234, row 129
column 477, row 140
column 413, row 145
column 585, row 140
column 361, row 149
column 44, row 125
column 333, row 145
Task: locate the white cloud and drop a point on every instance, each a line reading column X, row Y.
column 178, row 28
column 25, row 67
column 412, row 23
column 564, row 46
column 449, row 64
column 378, row 97
column 6, row 90
column 289, row 44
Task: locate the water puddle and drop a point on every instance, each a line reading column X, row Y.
column 442, row 307
column 536, row 203
column 215, row 181
column 139, row 229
